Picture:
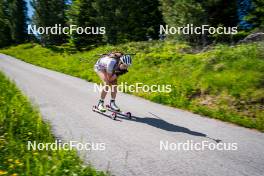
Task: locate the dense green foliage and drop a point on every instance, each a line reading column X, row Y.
column 13, row 22
column 224, row 83
column 134, row 21
column 126, row 20
column 48, row 14
column 209, row 12
column 83, row 14
column 256, row 15
column 5, row 36
column 17, row 18
column 19, row 123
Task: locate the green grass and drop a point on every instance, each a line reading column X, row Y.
column 19, row 123
column 226, row 83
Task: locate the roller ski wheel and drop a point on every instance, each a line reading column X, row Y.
column 126, row 114
column 113, row 115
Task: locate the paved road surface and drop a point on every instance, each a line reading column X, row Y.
column 132, row 147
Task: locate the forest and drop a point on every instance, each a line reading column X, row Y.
column 126, row 21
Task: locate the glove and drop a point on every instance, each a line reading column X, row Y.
column 120, row 72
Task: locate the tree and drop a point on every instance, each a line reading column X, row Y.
column 13, row 21
column 127, row 20
column 179, row 13
column 197, row 12
column 5, row 34
column 256, row 14
column 244, row 6
column 49, row 13
column 18, row 20
column 107, row 18
column 221, row 12
column 83, row 14
column 139, row 20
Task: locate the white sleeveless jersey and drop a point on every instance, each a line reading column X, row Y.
column 105, row 64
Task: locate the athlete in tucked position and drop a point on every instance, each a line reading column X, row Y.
column 108, row 68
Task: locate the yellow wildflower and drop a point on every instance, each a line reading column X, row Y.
column 11, row 166
column 17, row 161
column 2, row 172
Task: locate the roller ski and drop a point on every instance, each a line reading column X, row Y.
column 112, row 107
column 102, row 110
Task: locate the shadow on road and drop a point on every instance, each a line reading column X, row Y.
column 164, row 125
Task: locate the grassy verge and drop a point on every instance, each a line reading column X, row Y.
column 19, row 123
column 226, row 83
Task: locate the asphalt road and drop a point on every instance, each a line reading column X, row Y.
column 133, row 147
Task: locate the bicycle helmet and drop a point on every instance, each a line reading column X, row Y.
column 126, row 59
